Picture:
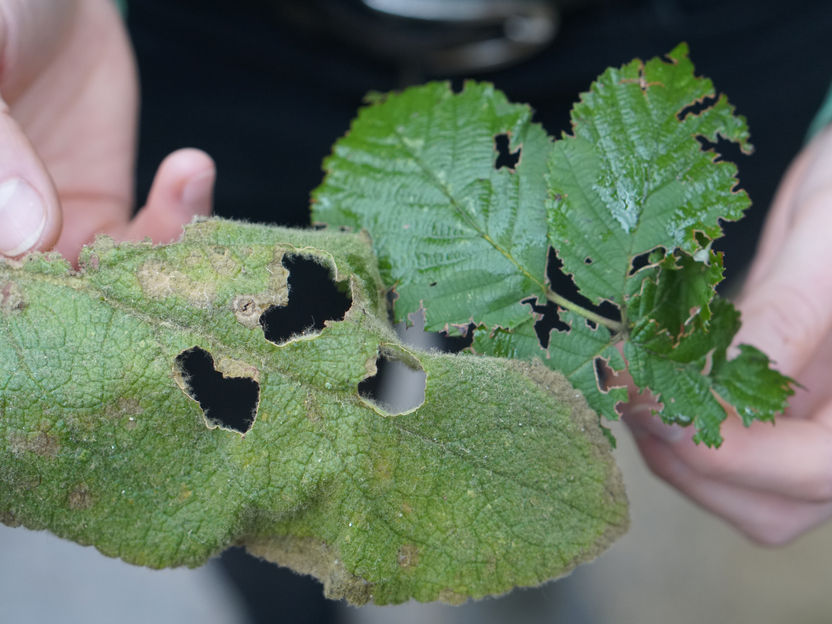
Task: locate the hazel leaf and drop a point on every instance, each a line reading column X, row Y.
column 455, row 232
column 633, row 175
column 144, row 411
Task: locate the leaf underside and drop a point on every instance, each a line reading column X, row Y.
column 102, row 440
column 630, row 202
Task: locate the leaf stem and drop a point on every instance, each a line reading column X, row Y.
column 616, row 327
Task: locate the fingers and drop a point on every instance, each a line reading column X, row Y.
column 30, row 35
column 767, row 518
column 787, row 305
column 792, row 459
column 786, row 204
column 182, row 189
column 30, row 215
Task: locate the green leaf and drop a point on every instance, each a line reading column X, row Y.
column 633, row 176
column 630, row 202
column 452, row 232
column 105, row 439
column 677, row 292
column 576, row 353
column 695, row 383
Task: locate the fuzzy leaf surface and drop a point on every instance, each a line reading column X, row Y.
column 576, row 353
column 102, row 440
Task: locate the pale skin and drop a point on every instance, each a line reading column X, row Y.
column 772, row 482
column 68, row 129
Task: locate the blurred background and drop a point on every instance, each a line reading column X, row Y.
column 266, row 87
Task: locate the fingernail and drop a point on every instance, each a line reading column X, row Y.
column 22, row 217
column 198, row 190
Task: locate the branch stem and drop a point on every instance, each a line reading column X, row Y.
column 615, row 327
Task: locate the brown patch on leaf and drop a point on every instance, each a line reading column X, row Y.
column 126, row 410
column 11, row 298
column 307, row 555
column 40, row 443
column 451, row 597
column 311, row 407
column 230, row 368
column 80, row 498
column 167, row 278
column 159, row 281
column 249, row 308
column 408, row 556
column 8, row 518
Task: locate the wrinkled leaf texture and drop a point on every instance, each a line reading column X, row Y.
column 473, row 492
column 630, row 202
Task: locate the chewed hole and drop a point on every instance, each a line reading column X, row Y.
column 564, row 285
column 396, row 388
column 314, row 299
column 505, row 158
column 647, row 259
column 227, row 402
column 696, row 108
column 548, row 321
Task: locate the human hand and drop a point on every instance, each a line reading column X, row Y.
column 772, row 482
column 68, row 134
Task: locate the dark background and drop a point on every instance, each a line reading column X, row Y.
column 267, row 98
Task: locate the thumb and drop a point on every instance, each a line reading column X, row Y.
column 30, row 214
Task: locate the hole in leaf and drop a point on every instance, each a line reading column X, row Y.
column 398, row 385
column 457, row 343
column 314, row 299
column 588, row 261
column 648, row 258
column 227, row 402
column 564, row 285
column 606, row 377
column 505, row 158
column 697, row 107
column 548, row 321
column 722, row 149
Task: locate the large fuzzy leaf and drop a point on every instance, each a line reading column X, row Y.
column 110, row 436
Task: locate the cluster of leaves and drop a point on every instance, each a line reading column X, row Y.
column 115, row 424
column 629, row 202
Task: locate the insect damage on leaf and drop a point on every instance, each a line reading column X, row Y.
column 395, row 383
column 505, row 157
column 11, row 299
column 227, row 392
column 115, row 404
column 629, row 202
column 314, row 300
